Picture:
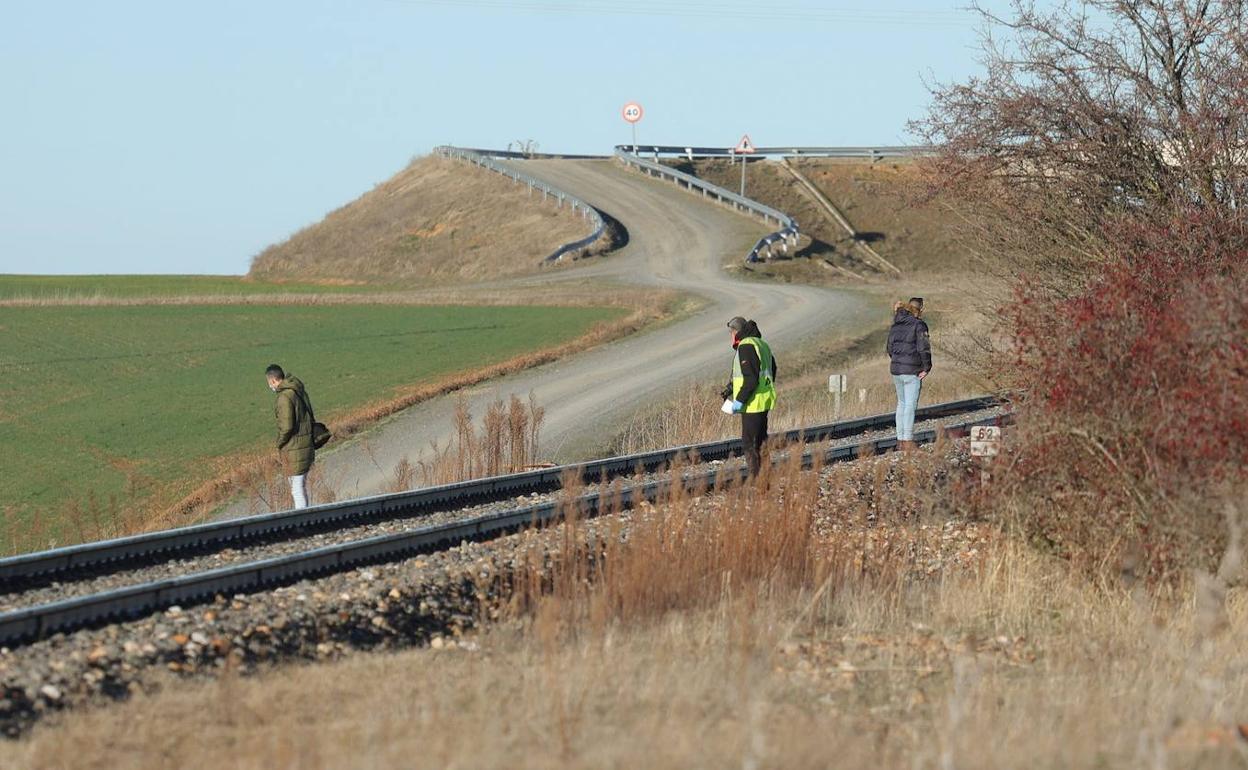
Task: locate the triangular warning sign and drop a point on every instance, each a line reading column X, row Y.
column 745, row 146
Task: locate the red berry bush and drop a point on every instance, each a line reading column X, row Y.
column 1135, row 396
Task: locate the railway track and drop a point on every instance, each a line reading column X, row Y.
column 28, row 582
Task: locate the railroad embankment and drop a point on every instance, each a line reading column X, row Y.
column 396, row 604
column 436, row 222
column 879, row 202
column 869, row 606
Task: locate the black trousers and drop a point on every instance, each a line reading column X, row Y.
column 753, row 434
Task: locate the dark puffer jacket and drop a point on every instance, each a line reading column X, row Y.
column 909, row 348
column 294, row 427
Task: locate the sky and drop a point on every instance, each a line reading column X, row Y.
column 163, row 137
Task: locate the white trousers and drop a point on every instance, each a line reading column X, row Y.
column 299, row 490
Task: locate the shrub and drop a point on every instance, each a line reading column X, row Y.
column 1136, row 394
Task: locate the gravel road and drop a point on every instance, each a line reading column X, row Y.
column 676, row 241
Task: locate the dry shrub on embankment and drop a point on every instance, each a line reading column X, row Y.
column 437, row 221
column 1135, row 420
column 507, row 443
column 1111, row 185
column 766, row 628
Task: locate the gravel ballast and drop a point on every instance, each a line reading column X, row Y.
column 434, row 599
column 71, row 588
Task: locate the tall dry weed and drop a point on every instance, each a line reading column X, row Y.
column 507, row 442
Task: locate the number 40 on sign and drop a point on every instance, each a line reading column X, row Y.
column 985, row 441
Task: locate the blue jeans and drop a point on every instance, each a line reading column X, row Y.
column 908, row 387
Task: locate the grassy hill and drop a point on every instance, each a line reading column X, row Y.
column 877, row 199
column 436, row 222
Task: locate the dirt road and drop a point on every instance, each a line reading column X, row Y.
column 676, row 240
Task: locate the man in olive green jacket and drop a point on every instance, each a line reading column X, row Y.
column 294, row 431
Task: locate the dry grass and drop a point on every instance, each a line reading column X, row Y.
column 879, row 200
column 567, row 293
column 507, row 443
column 760, row 629
column 438, row 221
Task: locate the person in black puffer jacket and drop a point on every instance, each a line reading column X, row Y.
column 910, row 355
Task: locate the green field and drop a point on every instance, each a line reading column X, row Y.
column 150, row 286
column 109, row 400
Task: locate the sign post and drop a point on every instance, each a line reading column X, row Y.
column 837, row 384
column 985, row 445
column 633, row 113
column 743, row 148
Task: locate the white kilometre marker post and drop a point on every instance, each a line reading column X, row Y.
column 985, row 445
column 837, row 384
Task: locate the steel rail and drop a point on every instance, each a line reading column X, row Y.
column 122, row 553
column 785, row 236
column 32, row 623
column 486, row 160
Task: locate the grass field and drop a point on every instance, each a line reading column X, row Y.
column 132, row 403
column 57, row 287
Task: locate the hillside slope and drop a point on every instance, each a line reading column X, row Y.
column 437, row 221
column 873, row 196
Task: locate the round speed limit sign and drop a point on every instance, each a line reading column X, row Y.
column 632, row 112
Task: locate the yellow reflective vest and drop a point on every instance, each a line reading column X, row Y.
column 764, row 397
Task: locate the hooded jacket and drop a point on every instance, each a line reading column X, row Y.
column 909, row 347
column 294, row 427
column 750, row 365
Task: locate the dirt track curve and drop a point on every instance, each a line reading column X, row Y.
column 676, row 240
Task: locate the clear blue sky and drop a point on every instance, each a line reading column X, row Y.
column 169, row 137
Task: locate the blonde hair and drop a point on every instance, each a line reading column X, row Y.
column 913, row 306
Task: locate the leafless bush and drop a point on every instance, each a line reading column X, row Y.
column 507, row 442
column 1101, row 157
column 1091, row 111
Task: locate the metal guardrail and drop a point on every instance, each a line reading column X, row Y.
column 784, row 237
column 36, row 622
column 485, row 159
column 520, row 155
column 873, row 153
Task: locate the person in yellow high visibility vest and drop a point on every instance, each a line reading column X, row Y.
column 751, row 392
